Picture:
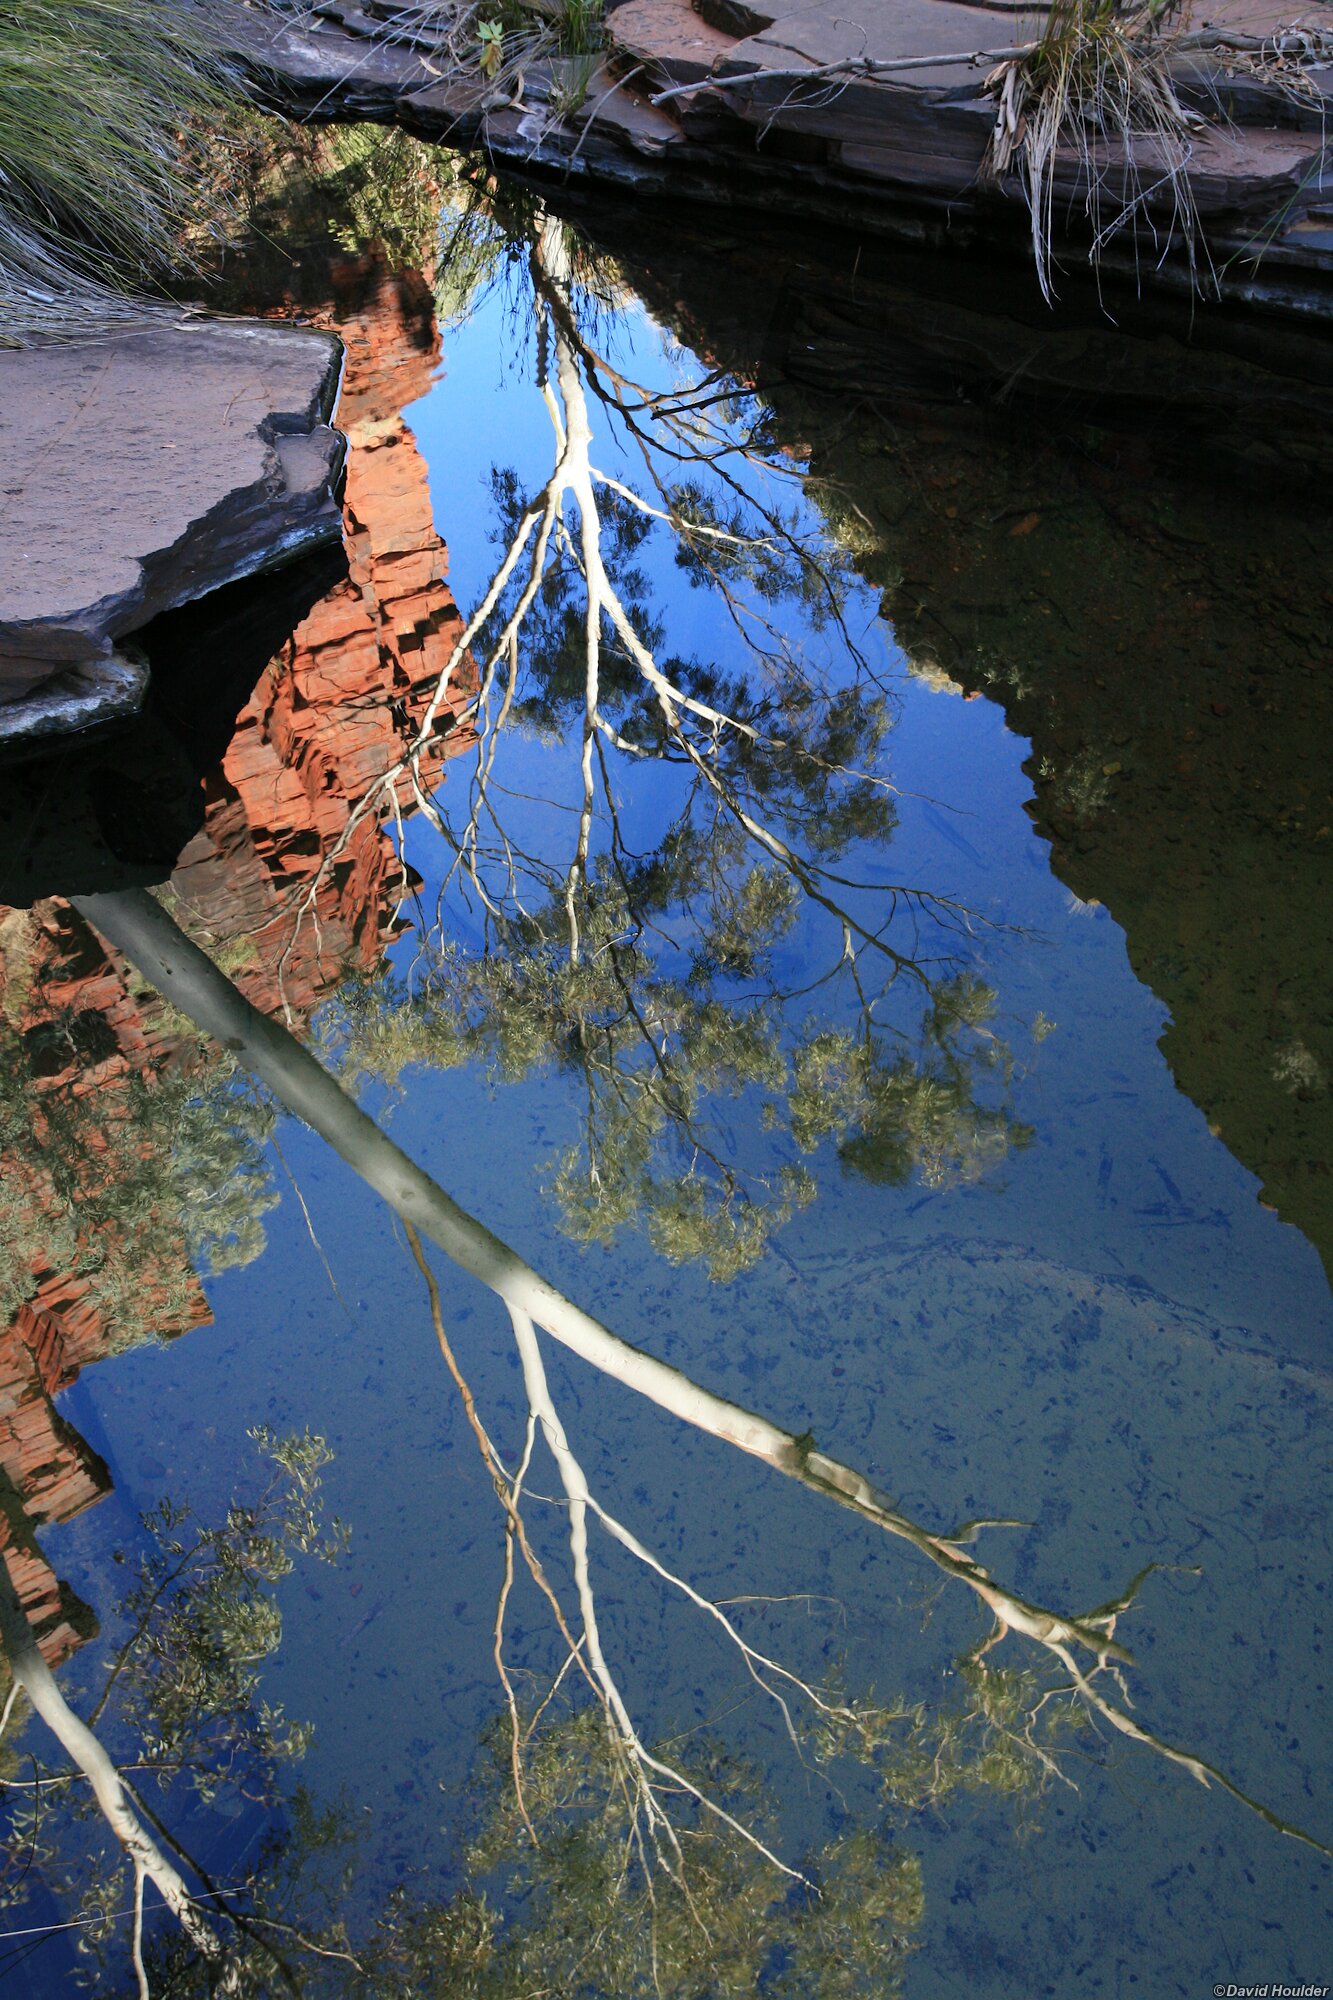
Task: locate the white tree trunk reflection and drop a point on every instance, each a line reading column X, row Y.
column 87, row 1754
column 1083, row 1646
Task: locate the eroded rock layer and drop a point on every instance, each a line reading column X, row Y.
column 877, row 114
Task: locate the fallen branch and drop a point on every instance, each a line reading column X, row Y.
column 844, row 71
column 1309, row 46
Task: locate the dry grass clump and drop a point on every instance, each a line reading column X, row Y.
column 1097, row 83
column 102, row 103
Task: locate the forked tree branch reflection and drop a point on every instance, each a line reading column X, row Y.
column 656, row 973
column 1081, row 1649
column 659, row 975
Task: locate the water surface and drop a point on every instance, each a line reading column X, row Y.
column 923, row 1043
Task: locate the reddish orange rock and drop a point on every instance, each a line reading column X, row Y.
column 288, row 878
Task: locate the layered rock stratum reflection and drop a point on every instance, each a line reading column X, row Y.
column 91, row 1050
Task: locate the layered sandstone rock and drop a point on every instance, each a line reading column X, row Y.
column 72, row 1020
column 284, row 859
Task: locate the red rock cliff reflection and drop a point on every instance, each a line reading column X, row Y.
column 284, row 872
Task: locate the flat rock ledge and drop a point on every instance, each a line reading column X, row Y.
column 899, row 153
column 141, row 471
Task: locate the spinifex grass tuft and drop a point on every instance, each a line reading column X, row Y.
column 101, row 105
column 1098, row 85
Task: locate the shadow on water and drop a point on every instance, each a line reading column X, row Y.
column 120, row 805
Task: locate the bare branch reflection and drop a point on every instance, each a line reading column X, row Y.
column 676, row 1824
column 672, row 969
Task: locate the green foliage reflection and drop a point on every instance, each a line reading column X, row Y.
column 667, row 971
column 589, row 1911
column 658, row 1046
column 179, row 1708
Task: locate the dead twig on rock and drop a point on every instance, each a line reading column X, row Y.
column 1302, row 45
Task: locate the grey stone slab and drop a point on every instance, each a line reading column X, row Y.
column 1240, row 178
column 886, row 31
column 143, row 470
column 616, row 110
column 666, row 42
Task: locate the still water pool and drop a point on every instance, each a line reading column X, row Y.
column 831, row 878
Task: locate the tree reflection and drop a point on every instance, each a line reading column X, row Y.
column 671, row 970
column 654, row 1048
column 593, row 1921
column 563, row 1887
column 606, row 1861
column 560, row 1886
column 177, row 1712
column 674, row 1830
column 1065, row 1659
